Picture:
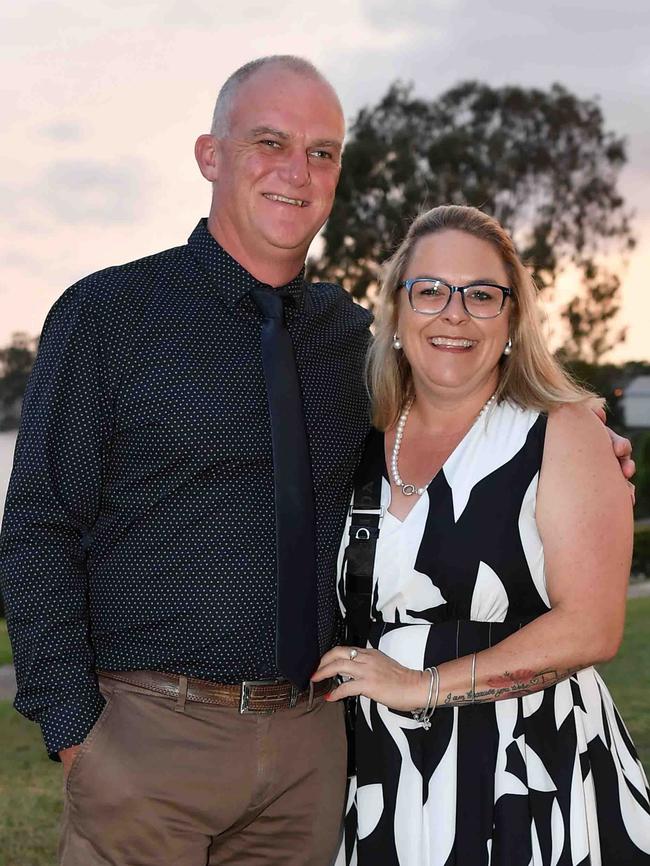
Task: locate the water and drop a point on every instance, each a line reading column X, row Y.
column 7, row 442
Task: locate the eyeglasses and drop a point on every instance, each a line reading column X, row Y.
column 431, row 295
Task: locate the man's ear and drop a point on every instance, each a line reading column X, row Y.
column 206, row 151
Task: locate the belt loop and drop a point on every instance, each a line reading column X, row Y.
column 310, row 699
column 182, row 695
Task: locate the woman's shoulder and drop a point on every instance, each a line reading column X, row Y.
column 578, row 446
column 577, row 422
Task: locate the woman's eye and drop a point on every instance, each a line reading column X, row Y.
column 483, row 294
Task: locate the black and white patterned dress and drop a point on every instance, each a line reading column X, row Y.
column 551, row 779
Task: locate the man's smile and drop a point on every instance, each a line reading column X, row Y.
column 298, row 202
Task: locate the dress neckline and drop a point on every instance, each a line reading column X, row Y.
column 480, row 419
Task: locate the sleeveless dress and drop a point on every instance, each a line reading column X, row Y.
column 551, row 779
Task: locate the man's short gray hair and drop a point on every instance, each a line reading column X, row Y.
column 290, row 62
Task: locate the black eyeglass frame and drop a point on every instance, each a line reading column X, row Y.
column 408, row 285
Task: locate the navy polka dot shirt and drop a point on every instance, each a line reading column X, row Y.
column 139, row 526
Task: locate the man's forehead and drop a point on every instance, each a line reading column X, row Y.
column 286, row 102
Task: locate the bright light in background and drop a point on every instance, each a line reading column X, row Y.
column 102, row 102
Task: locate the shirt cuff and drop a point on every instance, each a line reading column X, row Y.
column 69, row 724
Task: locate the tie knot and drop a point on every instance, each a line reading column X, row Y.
column 269, row 303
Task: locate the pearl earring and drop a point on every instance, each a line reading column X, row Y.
column 508, row 348
column 397, row 343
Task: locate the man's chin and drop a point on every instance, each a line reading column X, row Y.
column 291, row 242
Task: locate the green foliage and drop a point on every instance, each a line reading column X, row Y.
column 540, row 161
column 641, row 450
column 5, row 647
column 641, row 555
column 16, row 362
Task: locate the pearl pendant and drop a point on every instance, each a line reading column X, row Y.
column 412, row 489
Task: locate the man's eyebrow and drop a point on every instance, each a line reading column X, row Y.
column 284, row 136
column 327, row 142
column 268, row 130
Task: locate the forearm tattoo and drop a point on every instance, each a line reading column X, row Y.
column 511, row 684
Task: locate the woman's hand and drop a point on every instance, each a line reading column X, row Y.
column 376, row 676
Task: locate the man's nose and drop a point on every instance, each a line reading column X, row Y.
column 295, row 169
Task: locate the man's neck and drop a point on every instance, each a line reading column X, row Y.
column 271, row 270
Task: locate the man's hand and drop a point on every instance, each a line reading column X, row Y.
column 67, row 757
column 622, row 446
column 623, row 450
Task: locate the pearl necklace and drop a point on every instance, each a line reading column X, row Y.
column 410, row 489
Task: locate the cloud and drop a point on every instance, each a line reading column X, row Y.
column 95, row 192
column 207, row 15
column 582, row 41
column 63, row 131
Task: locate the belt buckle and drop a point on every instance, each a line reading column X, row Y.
column 246, row 686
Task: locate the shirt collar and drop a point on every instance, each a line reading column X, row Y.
column 232, row 280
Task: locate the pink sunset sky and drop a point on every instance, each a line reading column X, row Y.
column 102, row 102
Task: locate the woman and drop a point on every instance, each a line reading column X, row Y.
column 484, row 734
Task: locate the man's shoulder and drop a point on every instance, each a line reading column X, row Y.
column 135, row 274
column 332, row 296
column 114, row 294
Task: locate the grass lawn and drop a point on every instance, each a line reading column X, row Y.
column 628, row 676
column 30, row 794
column 5, row 648
column 30, row 784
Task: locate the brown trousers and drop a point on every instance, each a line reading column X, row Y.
column 157, row 784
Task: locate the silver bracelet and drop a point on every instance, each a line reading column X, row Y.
column 424, row 715
column 473, row 686
column 435, row 696
column 421, row 715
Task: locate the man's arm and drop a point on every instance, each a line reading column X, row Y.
column 52, row 504
column 622, row 447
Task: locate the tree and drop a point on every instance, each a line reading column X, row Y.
column 16, row 362
column 540, row 161
column 590, row 316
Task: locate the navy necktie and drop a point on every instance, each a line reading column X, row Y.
column 296, row 636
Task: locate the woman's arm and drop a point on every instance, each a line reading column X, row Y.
column 584, row 517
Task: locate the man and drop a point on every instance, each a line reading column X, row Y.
column 140, row 534
column 173, row 518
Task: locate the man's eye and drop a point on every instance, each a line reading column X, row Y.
column 321, row 154
column 270, row 142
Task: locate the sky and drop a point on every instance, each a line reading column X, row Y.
column 102, row 101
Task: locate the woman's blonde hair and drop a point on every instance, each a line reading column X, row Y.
column 530, row 376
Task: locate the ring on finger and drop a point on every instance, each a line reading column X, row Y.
column 353, row 654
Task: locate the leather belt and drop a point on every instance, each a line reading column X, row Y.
column 250, row 696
